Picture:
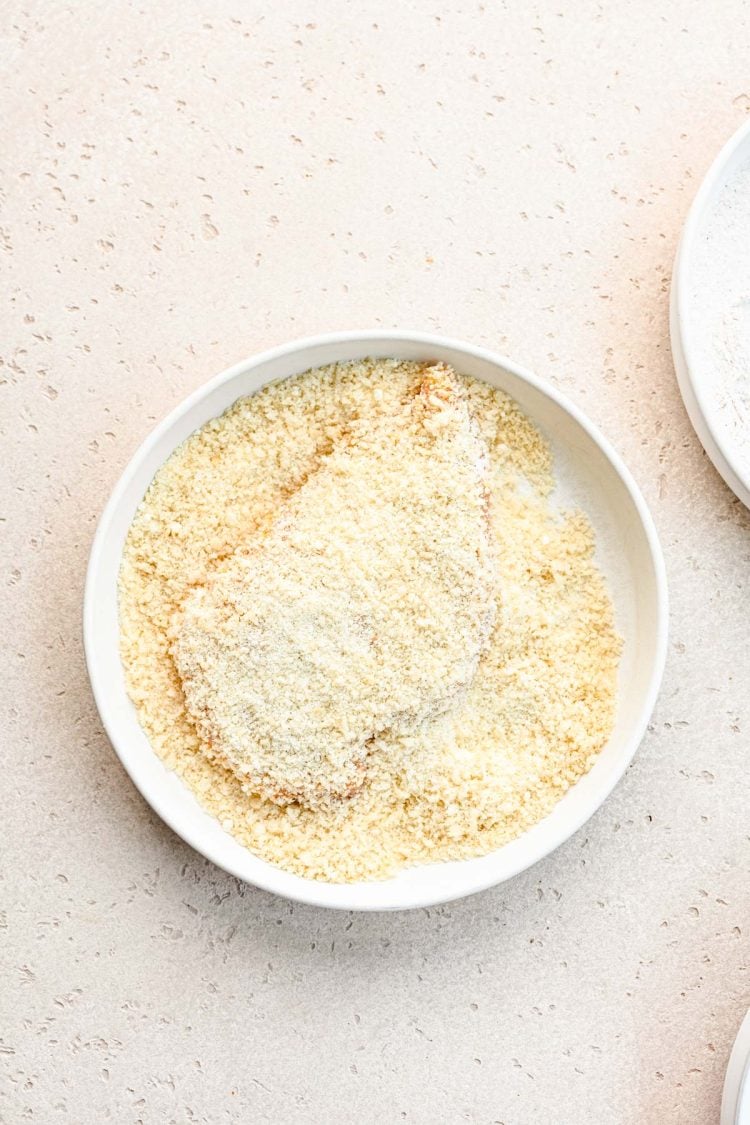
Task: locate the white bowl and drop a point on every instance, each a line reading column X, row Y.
column 693, row 377
column 590, row 473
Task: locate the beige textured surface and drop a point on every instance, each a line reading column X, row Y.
column 183, row 185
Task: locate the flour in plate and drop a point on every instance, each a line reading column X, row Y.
column 719, row 321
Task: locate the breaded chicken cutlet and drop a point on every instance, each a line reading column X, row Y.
column 362, row 608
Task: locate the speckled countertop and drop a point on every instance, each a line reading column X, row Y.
column 185, row 184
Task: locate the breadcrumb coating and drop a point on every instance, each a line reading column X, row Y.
column 361, row 610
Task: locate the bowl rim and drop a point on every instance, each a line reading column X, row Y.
column 318, row 893
column 692, row 387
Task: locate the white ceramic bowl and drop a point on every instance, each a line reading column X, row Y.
column 590, row 474
column 693, row 378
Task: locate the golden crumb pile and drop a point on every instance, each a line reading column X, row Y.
column 464, row 781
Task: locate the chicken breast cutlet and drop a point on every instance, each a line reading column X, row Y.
column 363, row 608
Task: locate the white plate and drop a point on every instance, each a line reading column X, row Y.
column 590, row 473
column 693, row 376
column 735, row 1101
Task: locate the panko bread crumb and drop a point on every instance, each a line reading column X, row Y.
column 537, row 711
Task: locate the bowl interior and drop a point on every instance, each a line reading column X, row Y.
column 692, row 353
column 589, row 475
